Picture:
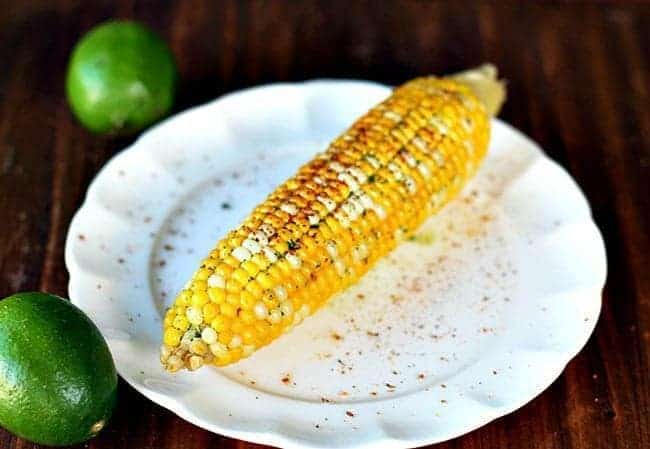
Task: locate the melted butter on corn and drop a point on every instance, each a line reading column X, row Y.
column 325, row 227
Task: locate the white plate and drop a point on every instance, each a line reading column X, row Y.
column 468, row 322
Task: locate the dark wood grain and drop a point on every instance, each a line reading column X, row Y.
column 579, row 84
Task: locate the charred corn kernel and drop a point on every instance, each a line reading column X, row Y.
column 165, row 352
column 275, row 316
column 286, row 309
column 210, row 312
column 270, row 299
column 210, row 264
column 174, row 363
column 324, row 228
column 198, row 347
column 195, row 362
column 172, row 337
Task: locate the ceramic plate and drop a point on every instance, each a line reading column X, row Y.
column 469, row 320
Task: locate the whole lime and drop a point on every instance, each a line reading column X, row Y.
column 121, row 78
column 58, row 382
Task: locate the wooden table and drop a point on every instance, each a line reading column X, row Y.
column 579, row 84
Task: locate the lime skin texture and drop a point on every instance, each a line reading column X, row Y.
column 121, row 78
column 58, row 384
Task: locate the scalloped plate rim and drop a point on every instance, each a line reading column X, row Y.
column 276, row 436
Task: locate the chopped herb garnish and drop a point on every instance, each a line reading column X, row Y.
column 372, row 178
column 292, row 244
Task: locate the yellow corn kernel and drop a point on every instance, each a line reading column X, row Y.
column 249, row 336
column 223, row 359
column 198, row 347
column 225, row 336
column 172, row 337
column 237, row 326
column 199, row 285
column 169, row 317
column 247, row 317
column 232, row 261
column 180, row 310
column 210, row 264
column 220, row 323
column 255, row 289
column 181, row 323
column 224, row 270
column 233, row 286
column 241, row 276
column 265, row 280
column 251, row 268
column 202, row 274
column 217, row 295
column 199, row 298
column 183, row 298
column 210, row 312
column 247, row 300
column 168, row 321
column 228, row 310
column 275, row 273
column 263, row 329
column 236, row 353
column 326, row 226
column 233, row 299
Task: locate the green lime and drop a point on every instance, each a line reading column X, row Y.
column 58, row 382
column 121, row 78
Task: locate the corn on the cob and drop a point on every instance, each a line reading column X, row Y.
column 325, row 227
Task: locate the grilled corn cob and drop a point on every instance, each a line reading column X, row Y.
column 325, row 227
